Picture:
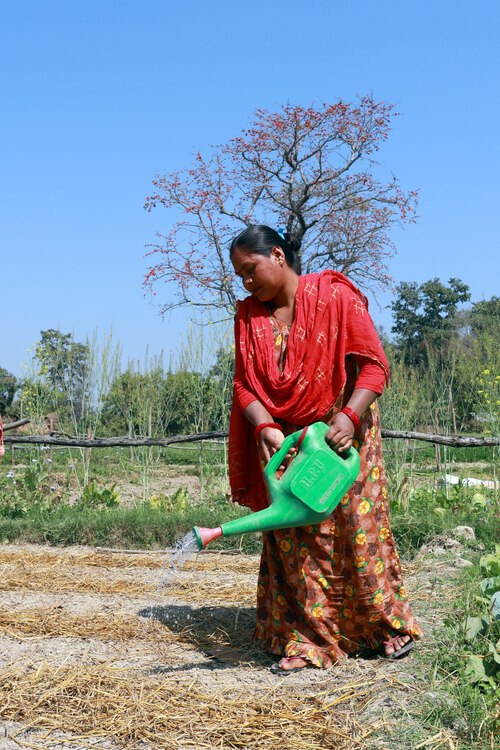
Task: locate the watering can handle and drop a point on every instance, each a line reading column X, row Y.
column 351, row 457
column 293, row 440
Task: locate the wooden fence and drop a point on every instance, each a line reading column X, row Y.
column 454, row 441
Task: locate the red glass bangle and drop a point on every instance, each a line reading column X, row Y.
column 262, row 426
column 352, row 416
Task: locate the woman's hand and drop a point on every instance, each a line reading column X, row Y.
column 270, row 440
column 341, row 432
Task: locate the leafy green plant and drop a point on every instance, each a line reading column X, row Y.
column 490, row 563
column 97, row 497
column 483, row 631
column 460, row 497
column 178, row 502
column 457, row 498
column 29, row 487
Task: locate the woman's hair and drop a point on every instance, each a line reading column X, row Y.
column 259, row 239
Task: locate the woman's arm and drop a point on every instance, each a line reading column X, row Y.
column 369, row 385
column 342, row 429
column 270, row 438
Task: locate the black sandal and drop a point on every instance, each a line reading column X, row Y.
column 276, row 669
column 379, row 653
column 401, row 652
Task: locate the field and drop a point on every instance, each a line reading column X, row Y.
column 112, row 648
column 109, row 649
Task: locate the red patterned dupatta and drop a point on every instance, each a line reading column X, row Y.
column 331, row 320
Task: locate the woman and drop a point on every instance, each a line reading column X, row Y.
column 307, row 351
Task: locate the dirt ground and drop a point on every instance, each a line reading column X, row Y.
column 108, row 649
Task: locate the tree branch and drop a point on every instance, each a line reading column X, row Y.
column 15, row 425
column 455, row 441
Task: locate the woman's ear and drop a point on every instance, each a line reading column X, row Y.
column 278, row 254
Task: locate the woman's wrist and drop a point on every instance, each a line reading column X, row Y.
column 263, row 426
column 352, row 416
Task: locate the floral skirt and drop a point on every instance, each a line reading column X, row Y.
column 331, row 590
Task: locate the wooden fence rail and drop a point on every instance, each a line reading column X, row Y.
column 15, row 425
column 455, row 441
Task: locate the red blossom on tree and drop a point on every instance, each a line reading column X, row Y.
column 309, row 170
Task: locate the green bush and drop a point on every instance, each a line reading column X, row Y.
column 96, row 497
column 483, row 629
column 138, row 527
column 433, row 512
column 30, row 487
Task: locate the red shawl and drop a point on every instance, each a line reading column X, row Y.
column 331, row 320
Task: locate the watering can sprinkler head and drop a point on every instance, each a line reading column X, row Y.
column 205, row 536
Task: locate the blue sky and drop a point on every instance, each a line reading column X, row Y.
column 98, row 97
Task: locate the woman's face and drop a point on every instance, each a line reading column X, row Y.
column 262, row 276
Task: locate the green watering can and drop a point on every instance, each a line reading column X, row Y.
column 308, row 491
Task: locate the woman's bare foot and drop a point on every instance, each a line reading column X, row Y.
column 287, row 665
column 293, row 662
column 392, row 646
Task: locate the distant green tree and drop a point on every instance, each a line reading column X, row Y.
column 424, row 316
column 158, row 403
column 221, row 375
column 8, row 389
column 118, row 412
column 478, row 366
column 142, row 403
column 64, row 363
column 198, row 402
column 485, row 316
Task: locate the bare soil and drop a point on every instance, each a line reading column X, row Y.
column 190, row 630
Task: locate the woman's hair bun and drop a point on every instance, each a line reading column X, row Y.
column 292, row 242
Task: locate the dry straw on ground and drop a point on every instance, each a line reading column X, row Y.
column 51, row 622
column 178, row 702
column 87, row 702
column 40, row 577
column 211, row 633
column 211, row 628
column 206, row 561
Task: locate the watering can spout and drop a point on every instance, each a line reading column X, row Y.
column 204, row 536
column 307, row 492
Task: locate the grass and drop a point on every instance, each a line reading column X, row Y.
column 140, row 527
column 443, row 704
column 110, row 463
column 425, row 454
column 454, row 702
column 426, row 513
column 421, row 523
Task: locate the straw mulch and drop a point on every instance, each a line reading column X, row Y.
column 102, row 559
column 54, row 578
column 191, row 588
column 53, row 622
column 208, row 606
column 209, row 628
column 88, row 703
column 97, row 559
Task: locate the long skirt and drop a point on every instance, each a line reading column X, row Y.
column 331, row 590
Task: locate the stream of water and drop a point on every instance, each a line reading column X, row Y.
column 182, row 549
column 168, row 573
